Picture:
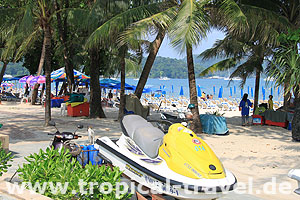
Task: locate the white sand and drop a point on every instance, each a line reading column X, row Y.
column 257, row 152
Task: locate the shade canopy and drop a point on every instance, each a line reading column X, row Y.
column 61, row 74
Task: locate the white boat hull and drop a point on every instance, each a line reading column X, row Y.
column 136, row 166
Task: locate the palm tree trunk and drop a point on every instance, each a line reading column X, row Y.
column 95, row 100
column 41, row 64
column 296, row 117
column 286, row 95
column 196, row 124
column 3, row 71
column 154, row 47
column 62, row 31
column 256, row 90
column 47, row 35
column 122, row 93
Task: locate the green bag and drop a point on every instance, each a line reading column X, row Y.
column 76, row 98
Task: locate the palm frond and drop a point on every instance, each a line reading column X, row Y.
column 141, row 29
column 191, row 25
column 120, row 22
column 220, row 66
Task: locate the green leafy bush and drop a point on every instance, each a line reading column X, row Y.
column 50, row 168
column 4, row 159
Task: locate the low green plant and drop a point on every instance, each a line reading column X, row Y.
column 4, row 159
column 217, row 113
column 52, row 167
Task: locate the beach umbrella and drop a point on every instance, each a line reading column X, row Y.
column 61, row 74
column 24, row 79
column 248, row 90
column 214, row 88
column 7, row 84
column 272, row 91
column 263, row 92
column 29, row 79
column 252, row 92
column 199, row 91
column 181, row 91
column 38, row 79
column 231, row 91
column 234, row 89
column 242, row 92
column 220, row 92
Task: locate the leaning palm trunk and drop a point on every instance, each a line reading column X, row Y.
column 256, row 90
column 47, row 35
column 296, row 118
column 42, row 61
column 154, row 47
column 3, row 71
column 95, row 100
column 286, row 95
column 122, row 93
column 196, row 124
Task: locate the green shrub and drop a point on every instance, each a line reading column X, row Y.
column 61, row 168
column 4, row 159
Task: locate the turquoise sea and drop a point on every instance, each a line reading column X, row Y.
column 207, row 85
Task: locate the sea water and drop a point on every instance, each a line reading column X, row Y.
column 207, row 85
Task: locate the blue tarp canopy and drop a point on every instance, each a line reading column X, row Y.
column 213, row 124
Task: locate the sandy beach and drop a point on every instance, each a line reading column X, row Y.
column 255, row 154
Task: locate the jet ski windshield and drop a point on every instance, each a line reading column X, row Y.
column 146, row 136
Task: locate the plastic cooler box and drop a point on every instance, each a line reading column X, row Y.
column 80, row 110
column 281, row 124
column 257, row 120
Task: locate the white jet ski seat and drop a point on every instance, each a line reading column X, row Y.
column 146, row 136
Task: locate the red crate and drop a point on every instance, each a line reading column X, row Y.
column 257, row 120
column 281, row 124
column 80, row 110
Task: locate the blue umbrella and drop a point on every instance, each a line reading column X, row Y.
column 172, row 89
column 272, row 91
column 214, row 88
column 278, row 92
column 263, row 93
column 252, row 92
column 181, row 91
column 231, row 91
column 248, row 90
column 199, row 91
column 234, row 89
column 242, row 92
column 220, row 92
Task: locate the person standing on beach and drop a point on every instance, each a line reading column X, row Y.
column 245, row 105
column 270, row 102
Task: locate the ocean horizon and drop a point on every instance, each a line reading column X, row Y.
column 208, row 85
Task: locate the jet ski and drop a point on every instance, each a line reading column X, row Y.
column 178, row 164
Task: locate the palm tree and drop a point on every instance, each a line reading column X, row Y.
column 191, row 24
column 284, row 65
column 282, row 11
column 32, row 19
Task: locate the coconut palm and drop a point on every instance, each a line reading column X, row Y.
column 191, row 24
column 32, row 19
column 284, row 65
column 247, row 50
column 283, row 11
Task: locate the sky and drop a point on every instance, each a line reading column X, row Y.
column 166, row 50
